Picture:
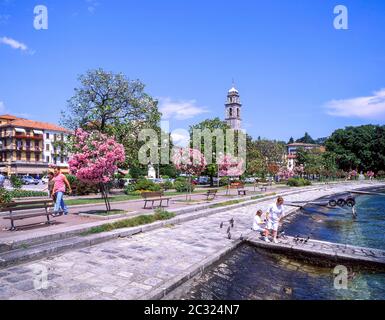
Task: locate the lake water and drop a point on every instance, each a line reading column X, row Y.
column 251, row 274
column 337, row 225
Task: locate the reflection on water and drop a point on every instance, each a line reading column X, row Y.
column 337, row 225
column 250, row 274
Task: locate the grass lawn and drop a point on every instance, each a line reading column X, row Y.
column 123, row 197
column 132, row 222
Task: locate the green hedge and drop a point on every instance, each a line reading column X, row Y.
column 298, row 182
column 27, row 194
column 141, row 186
column 5, row 196
column 183, row 186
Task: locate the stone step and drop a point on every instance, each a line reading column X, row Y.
column 324, row 253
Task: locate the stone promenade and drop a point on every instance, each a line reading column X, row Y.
column 142, row 266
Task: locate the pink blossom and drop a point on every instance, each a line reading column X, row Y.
column 96, row 157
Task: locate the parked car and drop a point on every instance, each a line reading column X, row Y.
column 128, row 181
column 44, row 180
column 27, row 180
column 250, row 180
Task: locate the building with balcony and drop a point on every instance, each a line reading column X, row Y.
column 293, row 148
column 23, row 146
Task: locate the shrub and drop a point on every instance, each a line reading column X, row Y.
column 183, row 186
column 80, row 188
column 167, row 185
column 16, row 182
column 5, row 196
column 381, row 174
column 147, row 185
column 71, row 179
column 17, row 193
column 142, row 186
column 225, row 181
column 298, row 182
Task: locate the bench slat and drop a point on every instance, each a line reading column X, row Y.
column 24, row 208
column 25, row 216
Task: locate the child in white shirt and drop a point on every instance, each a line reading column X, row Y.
column 258, row 224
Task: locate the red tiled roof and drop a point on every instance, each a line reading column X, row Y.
column 298, row 144
column 31, row 124
column 8, row 117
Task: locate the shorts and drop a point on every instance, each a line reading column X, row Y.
column 273, row 225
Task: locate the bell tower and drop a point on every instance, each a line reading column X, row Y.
column 233, row 108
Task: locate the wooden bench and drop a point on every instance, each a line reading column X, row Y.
column 239, row 186
column 211, row 193
column 13, row 207
column 262, row 186
column 154, row 197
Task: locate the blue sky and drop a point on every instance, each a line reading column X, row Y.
column 294, row 70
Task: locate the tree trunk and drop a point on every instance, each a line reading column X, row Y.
column 105, row 197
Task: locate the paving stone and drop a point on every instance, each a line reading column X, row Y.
column 19, row 270
column 109, row 289
column 18, row 278
column 25, row 285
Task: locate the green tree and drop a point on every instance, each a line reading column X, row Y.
column 306, row 139
column 361, row 148
column 212, row 125
column 112, row 104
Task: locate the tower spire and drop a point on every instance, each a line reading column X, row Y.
column 233, row 108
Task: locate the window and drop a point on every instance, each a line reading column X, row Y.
column 47, row 159
column 28, row 156
column 18, row 155
column 54, row 137
column 54, row 160
column 62, row 159
column 231, row 112
column 47, row 135
column 47, row 147
column 37, row 157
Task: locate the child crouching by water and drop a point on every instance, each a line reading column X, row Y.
column 258, row 224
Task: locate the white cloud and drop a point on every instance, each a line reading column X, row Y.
column 180, row 138
column 2, row 107
column 180, row 110
column 92, row 4
column 14, row 44
column 371, row 107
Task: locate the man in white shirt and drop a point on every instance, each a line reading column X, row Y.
column 275, row 213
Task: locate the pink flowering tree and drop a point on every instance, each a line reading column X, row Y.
column 353, row 174
column 285, row 174
column 230, row 166
column 95, row 159
column 190, row 162
column 370, row 175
